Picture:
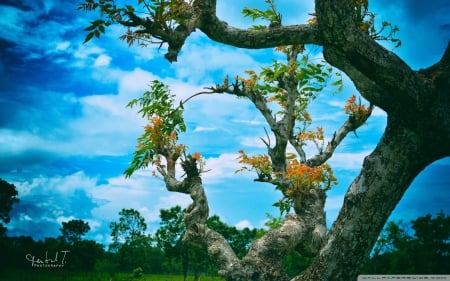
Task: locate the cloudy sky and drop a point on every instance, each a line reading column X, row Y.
column 66, row 136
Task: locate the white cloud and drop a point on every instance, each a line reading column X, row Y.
column 13, row 141
column 141, row 192
column 244, row 224
column 63, row 185
column 62, row 46
column 204, row 129
column 136, row 82
column 256, row 142
column 62, row 219
column 77, row 196
column 253, row 122
column 85, row 54
column 102, row 60
column 333, row 205
column 220, row 168
column 200, row 60
column 348, row 161
column 107, row 126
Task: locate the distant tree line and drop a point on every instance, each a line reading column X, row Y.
column 131, row 249
column 419, row 247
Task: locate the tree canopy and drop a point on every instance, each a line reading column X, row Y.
column 72, row 231
column 8, row 197
column 419, row 247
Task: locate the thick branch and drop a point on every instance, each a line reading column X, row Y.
column 348, row 126
column 197, row 214
column 220, row 31
column 219, row 249
column 311, row 208
column 298, row 146
column 202, row 15
column 374, row 70
column 385, row 176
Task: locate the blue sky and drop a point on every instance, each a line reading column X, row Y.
column 66, row 136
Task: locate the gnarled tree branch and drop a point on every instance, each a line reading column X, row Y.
column 348, row 126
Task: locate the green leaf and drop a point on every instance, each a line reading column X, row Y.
column 258, row 27
column 91, row 27
column 88, row 37
column 252, row 13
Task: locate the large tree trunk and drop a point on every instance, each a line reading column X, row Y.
column 384, row 178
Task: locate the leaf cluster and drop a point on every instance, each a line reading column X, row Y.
column 163, row 15
column 358, row 113
column 316, row 137
column 271, row 15
column 302, row 177
column 108, row 10
column 292, row 85
column 365, row 20
column 259, row 163
column 161, row 133
column 310, row 80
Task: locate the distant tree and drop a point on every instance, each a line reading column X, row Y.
column 422, row 247
column 72, row 231
column 8, row 197
column 168, row 238
column 133, row 247
column 130, row 227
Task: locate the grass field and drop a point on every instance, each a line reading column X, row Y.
column 36, row 275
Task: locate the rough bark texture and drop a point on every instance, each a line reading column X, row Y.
column 417, row 133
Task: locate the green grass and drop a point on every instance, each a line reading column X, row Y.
column 39, row 275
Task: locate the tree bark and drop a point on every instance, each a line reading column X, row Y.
column 384, row 178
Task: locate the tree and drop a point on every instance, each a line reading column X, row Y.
column 421, row 247
column 416, row 135
column 168, row 237
column 133, row 247
column 8, row 197
column 130, row 227
column 72, row 231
